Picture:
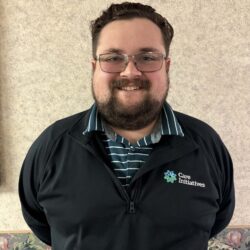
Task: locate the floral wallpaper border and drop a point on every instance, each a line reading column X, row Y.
column 234, row 238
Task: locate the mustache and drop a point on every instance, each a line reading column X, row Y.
column 120, row 83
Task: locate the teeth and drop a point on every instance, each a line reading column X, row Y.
column 130, row 88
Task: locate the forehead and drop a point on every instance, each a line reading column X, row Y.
column 130, row 36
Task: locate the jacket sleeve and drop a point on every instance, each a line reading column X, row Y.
column 227, row 200
column 29, row 182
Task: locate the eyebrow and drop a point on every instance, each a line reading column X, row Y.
column 114, row 50
column 120, row 51
column 149, row 49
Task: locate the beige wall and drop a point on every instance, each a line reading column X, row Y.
column 45, row 75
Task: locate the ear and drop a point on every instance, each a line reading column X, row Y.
column 93, row 62
column 167, row 64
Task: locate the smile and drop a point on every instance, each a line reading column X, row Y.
column 130, row 88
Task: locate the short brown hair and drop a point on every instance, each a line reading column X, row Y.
column 127, row 10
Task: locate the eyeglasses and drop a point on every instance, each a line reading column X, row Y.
column 144, row 62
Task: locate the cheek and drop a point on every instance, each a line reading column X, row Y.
column 101, row 85
column 160, row 84
column 102, row 79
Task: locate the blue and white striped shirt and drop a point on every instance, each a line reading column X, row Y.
column 127, row 158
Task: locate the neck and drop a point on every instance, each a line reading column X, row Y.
column 135, row 135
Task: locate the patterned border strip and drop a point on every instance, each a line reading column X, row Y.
column 232, row 238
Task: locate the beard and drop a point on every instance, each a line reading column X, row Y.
column 134, row 117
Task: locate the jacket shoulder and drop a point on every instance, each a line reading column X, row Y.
column 195, row 127
column 65, row 124
column 62, row 126
column 43, row 145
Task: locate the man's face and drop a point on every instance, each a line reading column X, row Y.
column 138, row 99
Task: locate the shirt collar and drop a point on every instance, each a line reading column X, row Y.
column 169, row 124
column 95, row 122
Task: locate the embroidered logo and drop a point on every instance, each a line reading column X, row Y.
column 170, row 176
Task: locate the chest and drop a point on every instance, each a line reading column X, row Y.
column 79, row 189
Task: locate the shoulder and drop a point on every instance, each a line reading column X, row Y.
column 206, row 138
column 203, row 135
column 195, row 128
column 63, row 126
column 67, row 123
column 55, row 133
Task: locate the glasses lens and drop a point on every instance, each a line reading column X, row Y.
column 112, row 62
column 148, row 62
column 144, row 62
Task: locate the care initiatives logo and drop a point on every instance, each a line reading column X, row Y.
column 171, row 177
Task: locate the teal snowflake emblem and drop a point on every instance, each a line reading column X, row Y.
column 170, row 176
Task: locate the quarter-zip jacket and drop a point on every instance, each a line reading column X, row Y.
column 182, row 196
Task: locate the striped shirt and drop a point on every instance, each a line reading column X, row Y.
column 127, row 158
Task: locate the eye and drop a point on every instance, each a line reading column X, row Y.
column 148, row 57
column 112, row 58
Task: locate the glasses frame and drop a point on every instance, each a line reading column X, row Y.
column 127, row 57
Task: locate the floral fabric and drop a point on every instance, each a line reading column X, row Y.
column 229, row 239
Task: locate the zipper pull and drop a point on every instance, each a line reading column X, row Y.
column 131, row 207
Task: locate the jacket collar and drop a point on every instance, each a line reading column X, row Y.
column 170, row 147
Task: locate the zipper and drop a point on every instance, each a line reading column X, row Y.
column 130, row 200
column 132, row 207
column 135, row 193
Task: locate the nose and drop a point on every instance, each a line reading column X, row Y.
column 131, row 70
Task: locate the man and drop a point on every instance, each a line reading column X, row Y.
column 129, row 173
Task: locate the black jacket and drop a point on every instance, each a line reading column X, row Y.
column 181, row 197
